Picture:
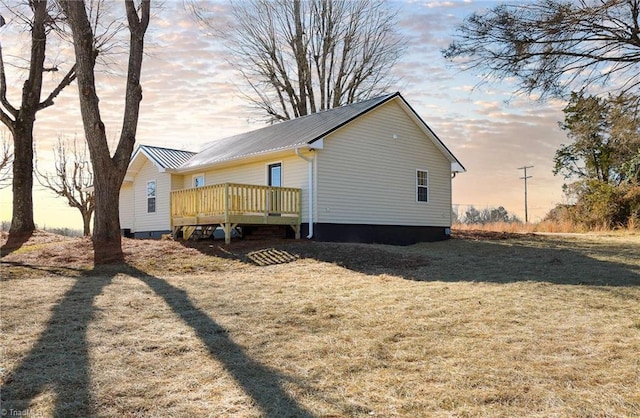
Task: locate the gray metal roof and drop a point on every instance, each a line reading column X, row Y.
column 166, row 157
column 284, row 135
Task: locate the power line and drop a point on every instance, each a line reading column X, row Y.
column 526, row 209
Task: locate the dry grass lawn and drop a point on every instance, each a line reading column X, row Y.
column 487, row 324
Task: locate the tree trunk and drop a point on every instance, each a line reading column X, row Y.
column 300, row 52
column 86, row 221
column 108, row 171
column 22, row 219
column 107, row 242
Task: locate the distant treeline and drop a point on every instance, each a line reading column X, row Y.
column 473, row 215
column 67, row 232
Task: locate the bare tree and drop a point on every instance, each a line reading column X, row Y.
column 554, row 46
column 109, row 171
column 72, row 178
column 6, row 159
column 300, row 57
column 41, row 20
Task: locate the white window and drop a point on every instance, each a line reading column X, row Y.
column 422, row 186
column 198, row 180
column 274, row 174
column 151, row 196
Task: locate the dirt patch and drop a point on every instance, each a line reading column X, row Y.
column 362, row 257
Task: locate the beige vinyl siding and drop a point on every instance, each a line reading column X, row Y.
column 177, row 182
column 365, row 176
column 126, row 206
column 294, row 174
column 185, row 182
column 158, row 220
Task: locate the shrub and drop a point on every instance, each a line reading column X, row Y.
column 599, row 205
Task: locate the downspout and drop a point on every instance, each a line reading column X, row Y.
column 310, row 177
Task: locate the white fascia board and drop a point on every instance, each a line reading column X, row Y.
column 457, row 168
column 135, row 155
column 319, row 144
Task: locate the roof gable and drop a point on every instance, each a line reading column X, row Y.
column 162, row 158
column 166, row 157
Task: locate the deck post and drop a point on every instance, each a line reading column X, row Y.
column 227, row 232
column 198, row 208
column 299, row 208
column 227, row 202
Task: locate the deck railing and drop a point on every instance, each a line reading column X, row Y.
column 230, row 199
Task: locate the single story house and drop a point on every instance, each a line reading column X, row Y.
column 371, row 171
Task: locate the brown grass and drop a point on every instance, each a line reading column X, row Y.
column 546, row 226
column 486, row 324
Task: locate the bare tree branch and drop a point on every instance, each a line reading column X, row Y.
column 12, row 111
column 66, row 80
column 554, row 46
column 6, row 159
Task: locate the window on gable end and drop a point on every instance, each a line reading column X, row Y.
column 151, row 196
column 422, row 186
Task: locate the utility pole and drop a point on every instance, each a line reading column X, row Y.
column 526, row 211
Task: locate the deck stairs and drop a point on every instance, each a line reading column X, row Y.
column 202, row 232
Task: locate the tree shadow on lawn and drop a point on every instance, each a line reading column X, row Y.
column 558, row 262
column 10, row 270
column 59, row 360
column 505, row 259
column 14, row 242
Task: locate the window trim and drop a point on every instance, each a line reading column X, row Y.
column 419, row 186
column 154, row 197
column 193, row 178
column 268, row 179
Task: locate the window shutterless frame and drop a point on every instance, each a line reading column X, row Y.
column 274, row 174
column 274, row 179
column 151, row 196
column 197, row 180
column 422, row 186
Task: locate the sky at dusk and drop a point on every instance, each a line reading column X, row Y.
column 191, row 97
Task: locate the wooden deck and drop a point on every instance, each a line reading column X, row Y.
column 230, row 204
